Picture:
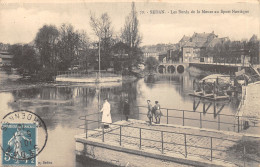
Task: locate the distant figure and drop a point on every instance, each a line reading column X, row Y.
column 157, row 112
column 150, row 113
column 126, row 109
column 106, row 116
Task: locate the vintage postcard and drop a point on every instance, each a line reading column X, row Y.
column 129, row 83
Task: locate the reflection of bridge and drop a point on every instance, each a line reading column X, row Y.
column 172, row 67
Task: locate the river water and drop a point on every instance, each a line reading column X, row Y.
column 60, row 106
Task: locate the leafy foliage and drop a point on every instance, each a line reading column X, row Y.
column 24, row 58
column 151, row 64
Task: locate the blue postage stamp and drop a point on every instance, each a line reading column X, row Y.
column 18, row 144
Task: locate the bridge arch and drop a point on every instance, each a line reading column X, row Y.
column 171, row 69
column 180, row 69
column 161, row 69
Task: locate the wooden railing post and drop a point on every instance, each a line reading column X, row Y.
column 120, row 141
column 200, row 121
column 182, row 117
column 167, row 116
column 86, row 127
column 140, row 146
column 211, row 148
column 238, row 124
column 103, row 134
column 185, row 143
column 218, row 122
column 162, row 140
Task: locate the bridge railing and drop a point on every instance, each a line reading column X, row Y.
column 213, row 63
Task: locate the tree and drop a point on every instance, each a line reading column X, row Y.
column 104, row 31
column 68, row 46
column 46, row 41
column 16, row 50
column 24, row 59
column 131, row 36
column 253, row 47
column 84, row 56
column 121, row 59
column 151, row 64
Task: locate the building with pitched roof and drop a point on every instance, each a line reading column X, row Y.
column 6, row 59
column 193, row 46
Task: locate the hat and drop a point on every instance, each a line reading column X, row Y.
column 156, row 101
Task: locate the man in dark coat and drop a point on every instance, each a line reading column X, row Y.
column 126, row 109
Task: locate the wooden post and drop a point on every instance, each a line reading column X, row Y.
column 200, row 121
column 182, row 117
column 167, row 116
column 214, row 90
column 185, row 143
column 120, row 135
column 238, row 124
column 86, row 127
column 162, row 140
column 194, row 104
column 103, row 134
column 217, row 86
column 211, row 148
column 218, row 122
column 214, row 108
column 140, row 146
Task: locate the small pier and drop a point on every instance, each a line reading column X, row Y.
column 136, row 143
column 87, row 77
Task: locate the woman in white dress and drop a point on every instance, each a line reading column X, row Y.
column 106, row 116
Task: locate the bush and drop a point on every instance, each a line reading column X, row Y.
column 46, row 74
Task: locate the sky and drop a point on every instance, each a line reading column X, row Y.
column 20, row 20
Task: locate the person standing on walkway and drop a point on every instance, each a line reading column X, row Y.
column 158, row 112
column 126, row 109
column 106, row 116
column 149, row 113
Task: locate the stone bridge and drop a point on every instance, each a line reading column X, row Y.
column 164, row 68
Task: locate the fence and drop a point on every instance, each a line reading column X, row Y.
column 164, row 141
column 238, row 120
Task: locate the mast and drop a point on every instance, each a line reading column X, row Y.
column 99, row 58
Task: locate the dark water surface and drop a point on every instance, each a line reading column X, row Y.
column 61, row 106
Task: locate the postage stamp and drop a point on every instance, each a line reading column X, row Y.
column 24, row 136
column 19, row 142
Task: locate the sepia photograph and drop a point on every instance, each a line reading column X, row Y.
column 130, row 83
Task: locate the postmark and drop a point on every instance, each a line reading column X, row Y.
column 24, row 136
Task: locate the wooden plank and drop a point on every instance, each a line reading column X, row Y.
column 210, row 98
